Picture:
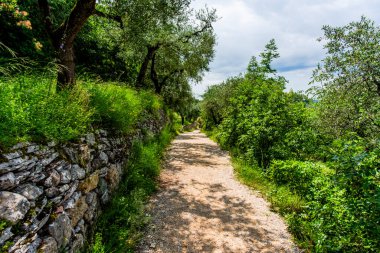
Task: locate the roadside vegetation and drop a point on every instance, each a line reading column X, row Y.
column 70, row 67
column 314, row 156
column 120, row 227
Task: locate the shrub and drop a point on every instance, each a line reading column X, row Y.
column 295, row 174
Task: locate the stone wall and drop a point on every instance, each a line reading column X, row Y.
column 51, row 195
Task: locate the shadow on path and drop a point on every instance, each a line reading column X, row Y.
column 201, row 208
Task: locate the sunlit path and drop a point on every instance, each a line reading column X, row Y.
column 200, row 207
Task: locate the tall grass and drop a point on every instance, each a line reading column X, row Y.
column 120, row 107
column 31, row 110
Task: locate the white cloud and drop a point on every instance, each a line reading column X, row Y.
column 245, row 26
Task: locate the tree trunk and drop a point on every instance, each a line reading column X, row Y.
column 66, row 68
column 63, row 37
column 144, row 66
column 154, row 77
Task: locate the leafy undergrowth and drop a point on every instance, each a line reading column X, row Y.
column 119, row 227
column 31, row 109
column 283, row 200
column 325, row 211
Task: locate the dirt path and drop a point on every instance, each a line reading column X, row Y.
column 200, row 206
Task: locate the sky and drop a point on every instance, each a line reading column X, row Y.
column 245, row 26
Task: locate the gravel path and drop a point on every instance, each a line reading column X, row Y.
column 201, row 207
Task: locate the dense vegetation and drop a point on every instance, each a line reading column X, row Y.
column 69, row 67
column 316, row 159
column 152, row 45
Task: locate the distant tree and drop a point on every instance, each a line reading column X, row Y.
column 165, row 39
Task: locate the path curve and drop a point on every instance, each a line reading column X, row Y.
column 201, row 207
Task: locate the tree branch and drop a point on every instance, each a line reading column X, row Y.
column 68, row 30
column 117, row 19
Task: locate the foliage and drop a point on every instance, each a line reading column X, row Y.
column 255, row 115
column 297, row 175
column 119, row 227
column 350, row 79
column 120, row 107
column 31, row 110
column 316, row 161
column 282, row 198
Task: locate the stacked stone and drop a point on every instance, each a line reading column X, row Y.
column 50, row 195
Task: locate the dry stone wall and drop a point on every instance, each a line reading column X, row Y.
column 51, row 195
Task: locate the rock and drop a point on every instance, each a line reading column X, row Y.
column 32, row 149
column 36, row 178
column 53, row 180
column 72, row 189
column 5, row 167
column 72, row 154
column 50, row 159
column 91, row 198
column 56, row 200
column 31, row 192
column 103, row 157
column 85, row 155
column 77, row 212
column 22, row 176
column 111, row 156
column 103, row 189
column 6, row 235
column 61, row 229
column 96, row 163
column 90, row 182
column 90, row 139
column 64, row 188
column 7, row 181
column 81, row 227
column 20, row 145
column 92, row 201
column 71, row 202
column 113, row 176
column 52, row 192
column 77, row 244
column 43, row 151
column 49, row 245
column 103, row 172
column 13, row 206
column 39, row 224
column 65, row 175
column 29, row 247
column 77, row 172
column 13, row 155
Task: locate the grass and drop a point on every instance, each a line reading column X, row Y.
column 283, row 200
column 31, row 110
column 119, row 227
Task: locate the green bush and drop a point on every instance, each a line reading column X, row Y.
column 297, row 175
